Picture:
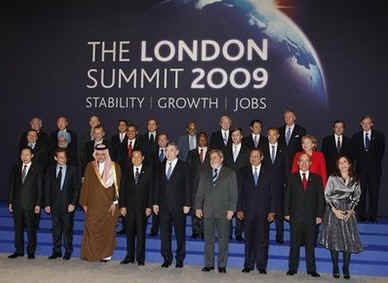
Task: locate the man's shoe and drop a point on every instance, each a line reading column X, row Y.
column 279, row 241
column 121, row 232
column 153, row 234
column 67, row 256
column 314, row 274
column 262, row 271
column 165, row 264
column 207, row 269
column 239, row 238
column 194, row 235
column 127, row 260
column 179, row 265
column 15, row 255
column 336, row 275
column 31, row 256
column 221, row 270
column 246, row 270
column 290, row 272
column 140, row 263
column 55, row 255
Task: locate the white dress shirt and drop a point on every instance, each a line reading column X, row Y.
column 122, row 136
column 138, row 168
column 258, row 167
column 173, row 164
column 301, row 174
column 369, row 136
column 27, row 168
column 236, row 150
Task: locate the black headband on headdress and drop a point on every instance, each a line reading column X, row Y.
column 101, row 147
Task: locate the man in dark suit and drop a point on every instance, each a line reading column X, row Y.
column 237, row 157
column 291, row 135
column 150, row 139
column 256, row 205
column 62, row 129
column 62, row 186
column 368, row 152
column 275, row 159
column 24, row 201
column 37, row 125
column 188, row 142
column 39, row 149
column 335, row 145
column 134, row 142
column 71, row 159
column 255, row 139
column 216, row 202
column 304, row 204
column 173, row 201
column 222, row 139
column 94, row 121
column 198, row 160
column 118, row 140
column 88, row 150
column 158, row 160
column 135, row 205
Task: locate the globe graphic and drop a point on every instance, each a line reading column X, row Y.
column 295, row 76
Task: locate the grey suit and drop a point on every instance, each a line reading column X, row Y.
column 215, row 200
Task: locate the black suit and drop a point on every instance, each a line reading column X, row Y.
column 24, row 197
column 279, row 174
column 242, row 160
column 256, row 201
column 217, row 141
column 329, row 149
column 196, row 166
column 249, row 142
column 43, row 138
column 171, row 196
column 295, row 143
column 58, row 200
column 87, row 154
column 72, row 159
column 303, row 206
column 136, row 196
column 73, row 145
column 369, row 170
column 150, row 146
column 116, row 148
column 41, row 154
column 124, row 151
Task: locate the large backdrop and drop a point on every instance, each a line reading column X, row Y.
column 185, row 60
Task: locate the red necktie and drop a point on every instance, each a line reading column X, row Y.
column 130, row 150
column 304, row 181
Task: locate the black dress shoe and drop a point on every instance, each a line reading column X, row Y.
column 239, row 238
column 194, row 235
column 55, row 255
column 290, row 272
column 153, row 234
column 279, row 241
column 179, row 265
column 67, row 256
column 314, row 274
column 336, row 275
column 262, row 271
column 246, row 270
column 202, row 236
column 127, row 260
column 222, row 270
column 207, row 269
column 165, row 264
column 140, row 263
column 31, row 256
column 121, row 232
column 347, row 276
column 104, row 260
column 15, row 255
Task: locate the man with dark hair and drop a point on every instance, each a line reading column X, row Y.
column 24, row 201
column 62, row 186
column 150, row 139
column 368, row 152
column 216, row 202
column 188, row 142
column 62, row 129
column 335, row 145
column 291, row 136
column 255, row 139
column 134, row 142
column 172, row 201
column 118, row 140
column 39, row 150
column 135, row 205
column 198, row 160
column 94, row 121
column 37, row 125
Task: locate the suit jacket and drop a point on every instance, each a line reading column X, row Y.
column 295, row 144
column 303, row 206
column 249, row 142
column 116, row 148
column 173, row 194
column 255, row 200
column 123, row 151
column 278, row 172
column 73, row 146
column 242, row 159
column 136, row 197
column 149, row 147
column 217, row 141
column 329, row 150
column 184, row 146
column 43, row 138
column 216, row 200
column 28, row 194
column 87, row 154
column 71, row 186
column 195, row 168
column 72, row 159
column 372, row 158
column 41, row 154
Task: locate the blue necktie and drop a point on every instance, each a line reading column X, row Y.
column 225, row 139
column 256, row 176
column 367, row 140
column 169, row 170
column 288, row 136
column 137, row 176
column 161, row 155
column 273, row 154
column 215, row 175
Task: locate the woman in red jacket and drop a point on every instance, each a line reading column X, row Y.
column 318, row 163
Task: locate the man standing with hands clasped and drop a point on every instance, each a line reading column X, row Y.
column 216, row 202
column 303, row 209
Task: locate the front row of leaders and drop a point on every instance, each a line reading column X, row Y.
column 108, row 191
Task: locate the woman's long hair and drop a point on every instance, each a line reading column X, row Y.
column 351, row 172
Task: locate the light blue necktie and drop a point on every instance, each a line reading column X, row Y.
column 161, row 155
column 225, row 138
column 256, row 176
column 169, row 170
column 256, row 141
column 288, row 136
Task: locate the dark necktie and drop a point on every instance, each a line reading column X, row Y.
column 367, row 140
column 201, row 155
column 152, row 139
column 137, row 175
column 24, row 173
column 59, row 178
column 338, row 144
column 161, row 155
column 169, row 170
column 215, row 175
column 130, row 149
column 273, row 154
column 304, row 181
